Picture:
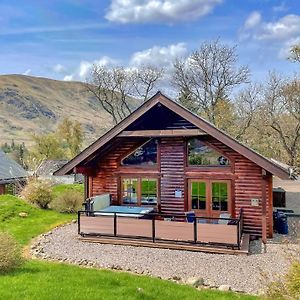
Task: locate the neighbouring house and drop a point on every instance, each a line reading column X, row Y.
column 165, row 157
column 48, row 166
column 12, row 175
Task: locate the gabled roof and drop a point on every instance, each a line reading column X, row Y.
column 48, row 166
column 201, row 123
column 9, row 169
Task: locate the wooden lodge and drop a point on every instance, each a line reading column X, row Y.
column 165, row 157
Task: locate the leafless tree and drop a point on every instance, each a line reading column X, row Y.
column 116, row 87
column 146, row 79
column 281, row 110
column 246, row 106
column 209, row 75
column 295, row 53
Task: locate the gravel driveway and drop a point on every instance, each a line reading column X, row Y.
column 241, row 273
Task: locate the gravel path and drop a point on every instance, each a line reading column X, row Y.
column 241, row 273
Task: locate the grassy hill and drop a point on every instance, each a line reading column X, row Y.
column 35, row 105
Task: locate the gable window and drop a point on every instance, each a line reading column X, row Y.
column 200, row 154
column 139, row 191
column 146, row 155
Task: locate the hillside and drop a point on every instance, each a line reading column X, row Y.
column 35, row 105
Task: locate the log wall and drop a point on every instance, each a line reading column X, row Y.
column 246, row 179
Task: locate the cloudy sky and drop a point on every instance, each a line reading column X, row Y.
column 61, row 39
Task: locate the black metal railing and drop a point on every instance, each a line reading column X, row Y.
column 154, row 217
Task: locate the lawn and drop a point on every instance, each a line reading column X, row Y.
column 60, row 188
column 44, row 280
column 24, row 229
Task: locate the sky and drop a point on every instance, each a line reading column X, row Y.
column 62, row 39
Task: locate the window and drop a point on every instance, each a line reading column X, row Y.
column 148, row 191
column 219, row 196
column 209, row 197
column 130, row 190
column 199, row 154
column 198, row 195
column 139, row 191
column 145, row 155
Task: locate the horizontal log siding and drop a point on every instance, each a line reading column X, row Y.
column 106, row 179
column 172, row 163
column 245, row 175
column 248, row 185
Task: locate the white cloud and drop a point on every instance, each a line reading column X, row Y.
column 159, row 11
column 158, row 56
column 253, row 20
column 68, row 78
column 27, row 72
column 84, row 69
column 282, row 33
column 280, row 8
column 59, row 68
column 283, row 29
column 284, row 52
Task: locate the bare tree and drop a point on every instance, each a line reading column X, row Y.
column 281, row 111
column 115, row 88
column 295, row 54
column 246, row 106
column 146, row 79
column 209, row 75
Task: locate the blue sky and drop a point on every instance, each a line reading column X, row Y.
column 61, row 39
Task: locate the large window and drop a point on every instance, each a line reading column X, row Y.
column 139, row 191
column 145, row 155
column 199, row 154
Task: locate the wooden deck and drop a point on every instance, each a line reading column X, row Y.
column 168, row 234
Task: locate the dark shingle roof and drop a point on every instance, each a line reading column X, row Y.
column 48, row 167
column 9, row 169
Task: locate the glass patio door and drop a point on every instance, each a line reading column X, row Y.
column 209, row 198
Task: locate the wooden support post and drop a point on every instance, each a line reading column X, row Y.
column 264, row 209
column 270, row 191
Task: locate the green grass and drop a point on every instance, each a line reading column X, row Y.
column 44, row 280
column 60, row 188
column 37, row 222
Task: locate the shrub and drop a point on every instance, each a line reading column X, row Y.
column 10, row 253
column 38, row 192
column 288, row 287
column 69, row 201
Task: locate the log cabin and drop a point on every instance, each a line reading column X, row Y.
column 166, row 157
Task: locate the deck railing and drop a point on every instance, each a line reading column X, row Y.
column 158, row 227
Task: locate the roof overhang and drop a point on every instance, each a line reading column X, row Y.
column 203, row 125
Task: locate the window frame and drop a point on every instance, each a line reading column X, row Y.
column 139, row 178
column 208, row 211
column 190, row 167
column 154, row 166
